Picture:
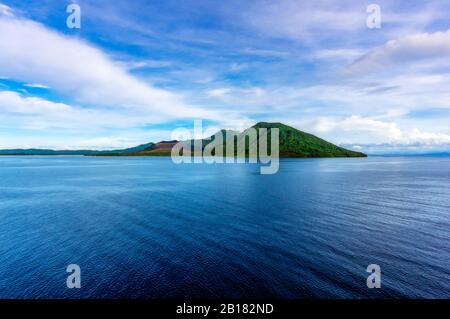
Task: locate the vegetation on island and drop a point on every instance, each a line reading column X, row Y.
column 292, row 143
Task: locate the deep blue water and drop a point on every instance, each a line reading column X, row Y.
column 145, row 227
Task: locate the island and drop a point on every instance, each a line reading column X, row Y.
column 292, row 143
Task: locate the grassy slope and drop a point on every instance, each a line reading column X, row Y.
column 295, row 143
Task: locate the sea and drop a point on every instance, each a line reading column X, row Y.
column 145, row 227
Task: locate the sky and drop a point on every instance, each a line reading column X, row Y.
column 136, row 70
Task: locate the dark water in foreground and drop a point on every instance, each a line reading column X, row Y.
column 144, row 227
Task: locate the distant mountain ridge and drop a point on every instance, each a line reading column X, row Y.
column 33, row 151
column 292, row 143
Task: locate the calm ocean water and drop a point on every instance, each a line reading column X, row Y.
column 143, row 227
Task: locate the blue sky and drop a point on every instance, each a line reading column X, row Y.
column 138, row 69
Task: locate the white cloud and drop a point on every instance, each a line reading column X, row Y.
column 6, row 11
column 304, row 20
column 237, row 95
column 47, row 124
column 96, row 141
column 36, row 86
column 220, row 92
column 397, row 52
column 327, row 22
column 13, row 102
column 18, row 112
column 133, row 65
column 236, row 67
column 32, row 53
column 338, row 54
column 364, row 129
column 416, row 136
column 264, row 52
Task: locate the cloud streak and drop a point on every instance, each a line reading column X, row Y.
column 31, row 52
column 396, row 53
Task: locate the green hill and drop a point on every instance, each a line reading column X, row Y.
column 295, row 143
column 292, row 143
